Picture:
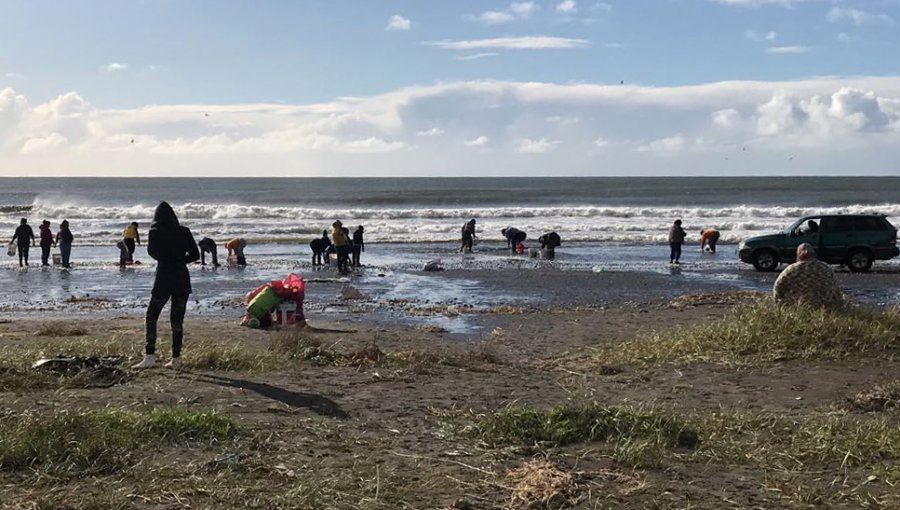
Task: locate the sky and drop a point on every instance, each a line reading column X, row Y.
column 449, row 88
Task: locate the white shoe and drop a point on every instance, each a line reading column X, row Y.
column 175, row 364
column 148, row 362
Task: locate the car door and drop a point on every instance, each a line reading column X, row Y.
column 836, row 236
column 805, row 232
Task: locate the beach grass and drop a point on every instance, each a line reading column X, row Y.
column 766, row 331
column 572, row 423
column 102, row 440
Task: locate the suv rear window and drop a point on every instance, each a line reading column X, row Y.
column 868, row 223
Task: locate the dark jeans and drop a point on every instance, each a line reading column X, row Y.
column 675, row 253
column 23, row 254
column 357, row 249
column 129, row 243
column 65, row 250
column 213, row 255
column 176, row 318
column 467, row 242
column 343, row 257
column 45, row 253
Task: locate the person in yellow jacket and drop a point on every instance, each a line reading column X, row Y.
column 130, row 236
column 341, row 241
column 236, row 246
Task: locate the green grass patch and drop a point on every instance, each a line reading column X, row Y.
column 766, row 331
column 572, row 423
column 100, row 441
column 835, row 443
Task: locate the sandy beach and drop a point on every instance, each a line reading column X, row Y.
column 371, row 407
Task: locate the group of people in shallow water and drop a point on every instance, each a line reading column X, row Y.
column 348, row 249
column 23, row 239
column 709, row 237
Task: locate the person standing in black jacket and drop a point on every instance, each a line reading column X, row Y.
column 173, row 247
column 358, row 245
column 24, row 237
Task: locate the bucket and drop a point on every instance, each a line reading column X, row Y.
column 57, row 259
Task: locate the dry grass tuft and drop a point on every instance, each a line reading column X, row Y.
column 877, row 398
column 60, row 329
column 540, row 483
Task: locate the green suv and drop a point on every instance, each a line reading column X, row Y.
column 855, row 240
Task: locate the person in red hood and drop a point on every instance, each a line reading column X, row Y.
column 46, row 243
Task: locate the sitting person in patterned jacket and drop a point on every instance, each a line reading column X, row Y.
column 808, row 280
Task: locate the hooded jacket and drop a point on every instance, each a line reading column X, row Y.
column 173, row 248
column 46, row 234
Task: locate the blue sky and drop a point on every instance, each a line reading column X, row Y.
column 79, row 79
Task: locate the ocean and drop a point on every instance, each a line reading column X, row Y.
column 621, row 211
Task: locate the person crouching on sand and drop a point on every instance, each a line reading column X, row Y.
column 173, row 248
column 236, row 246
column 207, row 245
column 676, row 239
column 709, row 237
column 341, row 245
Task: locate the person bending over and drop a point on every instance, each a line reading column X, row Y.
column 236, row 246
column 468, row 236
column 513, row 237
column 207, row 245
column 709, row 237
column 320, row 247
column 173, row 248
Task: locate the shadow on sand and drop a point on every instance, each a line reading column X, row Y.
column 316, row 403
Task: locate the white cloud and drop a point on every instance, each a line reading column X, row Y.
column 540, row 146
column 523, row 9
column 435, row 131
column 496, row 17
column 601, row 7
column 843, row 37
column 788, row 50
column 564, row 120
column 43, row 144
column 726, row 118
column 533, row 42
column 477, row 56
column 858, row 17
column 481, row 141
column 839, row 121
column 115, row 67
column 669, row 144
column 398, row 22
column 761, row 3
column 15, row 76
column 567, row 7
column 516, row 11
column 757, row 37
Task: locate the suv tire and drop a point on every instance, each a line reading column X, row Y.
column 765, row 260
column 860, row 260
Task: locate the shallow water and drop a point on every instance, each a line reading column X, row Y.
column 391, row 273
